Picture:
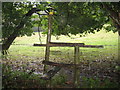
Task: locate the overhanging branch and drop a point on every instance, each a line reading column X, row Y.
column 11, row 38
column 113, row 14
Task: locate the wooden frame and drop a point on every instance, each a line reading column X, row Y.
column 49, row 44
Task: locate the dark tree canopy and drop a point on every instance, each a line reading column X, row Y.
column 88, row 17
column 113, row 10
column 80, row 18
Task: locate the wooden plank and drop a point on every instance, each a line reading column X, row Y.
column 61, row 44
column 39, row 44
column 70, row 45
column 58, row 64
column 93, row 46
column 65, row 44
column 56, row 45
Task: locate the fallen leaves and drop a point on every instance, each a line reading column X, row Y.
column 69, row 82
column 101, row 68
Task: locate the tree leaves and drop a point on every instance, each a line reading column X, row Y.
column 73, row 17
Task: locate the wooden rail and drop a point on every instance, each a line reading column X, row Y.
column 93, row 46
column 58, row 44
column 66, row 44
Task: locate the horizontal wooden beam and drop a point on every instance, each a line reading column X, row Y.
column 39, row 44
column 58, row 64
column 52, row 44
column 93, row 46
column 58, row 44
column 62, row 44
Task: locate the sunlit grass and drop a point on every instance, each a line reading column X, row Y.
column 66, row 54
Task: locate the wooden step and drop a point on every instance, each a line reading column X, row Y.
column 60, row 64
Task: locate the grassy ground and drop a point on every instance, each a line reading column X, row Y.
column 108, row 40
column 101, row 60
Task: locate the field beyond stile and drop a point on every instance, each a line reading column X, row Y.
column 98, row 64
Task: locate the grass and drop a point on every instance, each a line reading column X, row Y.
column 109, row 40
column 24, row 53
column 97, row 83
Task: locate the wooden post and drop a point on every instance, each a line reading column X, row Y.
column 76, row 61
column 47, row 52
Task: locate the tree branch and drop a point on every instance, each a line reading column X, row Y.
column 11, row 38
column 113, row 14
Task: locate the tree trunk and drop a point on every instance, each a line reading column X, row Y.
column 11, row 38
column 118, row 28
column 119, row 32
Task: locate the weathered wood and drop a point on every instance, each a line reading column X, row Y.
column 76, row 55
column 76, row 61
column 48, row 39
column 58, row 45
column 58, row 64
column 66, row 44
column 47, row 53
column 93, row 46
column 39, row 44
column 48, row 75
column 61, row 44
column 70, row 45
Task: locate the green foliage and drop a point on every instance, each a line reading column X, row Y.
column 20, row 79
column 117, row 68
column 98, row 83
column 58, row 80
column 12, row 14
column 79, row 17
column 69, row 17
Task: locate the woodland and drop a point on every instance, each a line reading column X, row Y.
column 78, row 45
